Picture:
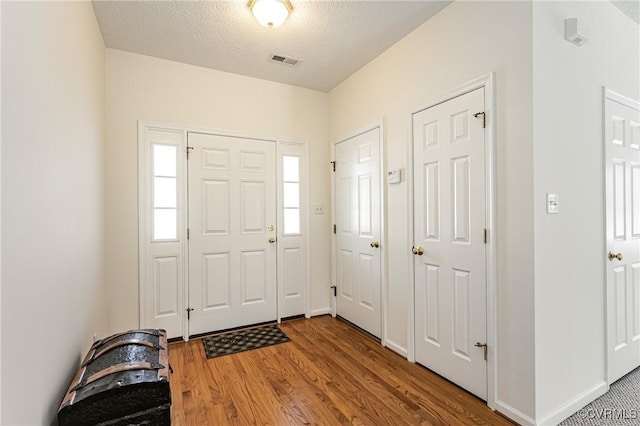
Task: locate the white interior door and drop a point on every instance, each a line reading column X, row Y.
column 357, row 199
column 232, row 218
column 449, row 252
column 622, row 165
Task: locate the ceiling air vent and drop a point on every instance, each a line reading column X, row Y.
column 285, row 60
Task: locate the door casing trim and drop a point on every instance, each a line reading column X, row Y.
column 488, row 83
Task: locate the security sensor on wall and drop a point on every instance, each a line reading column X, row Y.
column 575, row 32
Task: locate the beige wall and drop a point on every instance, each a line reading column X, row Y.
column 52, row 202
column 464, row 41
column 144, row 88
column 568, row 159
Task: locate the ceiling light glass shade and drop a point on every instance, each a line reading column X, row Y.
column 270, row 13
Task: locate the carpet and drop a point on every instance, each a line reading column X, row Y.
column 243, row 340
column 620, row 406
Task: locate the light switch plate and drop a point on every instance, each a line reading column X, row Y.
column 318, row 209
column 553, row 203
column 393, row 176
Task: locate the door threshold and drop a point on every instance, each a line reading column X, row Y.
column 360, row 329
column 228, row 330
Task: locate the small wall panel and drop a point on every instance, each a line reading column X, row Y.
column 431, row 210
column 617, row 130
column 461, row 199
column 252, row 162
column 460, row 127
column 431, row 135
column 215, row 159
column 364, row 201
column 345, row 273
column 293, row 276
column 620, row 283
column 461, row 313
column 165, row 286
column 215, row 207
column 252, row 207
column 619, row 200
column 432, row 304
column 216, row 280
column 254, row 273
column 367, row 280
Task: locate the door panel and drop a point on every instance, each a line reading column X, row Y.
column 358, row 230
column 622, row 186
column 449, row 215
column 232, row 203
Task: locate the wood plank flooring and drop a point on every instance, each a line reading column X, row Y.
column 330, row 373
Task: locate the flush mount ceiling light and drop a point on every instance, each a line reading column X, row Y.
column 270, row 13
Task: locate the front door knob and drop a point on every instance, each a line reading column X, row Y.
column 272, row 240
column 417, row 250
column 375, row 244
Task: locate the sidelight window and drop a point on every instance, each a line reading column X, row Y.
column 164, row 192
column 291, row 192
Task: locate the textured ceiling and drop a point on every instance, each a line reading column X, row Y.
column 333, row 39
column 630, row 8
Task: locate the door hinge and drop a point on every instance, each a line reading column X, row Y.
column 483, row 346
column 484, row 120
column 335, row 290
column 334, row 228
column 485, row 236
column 333, row 165
column 189, row 313
column 189, row 149
column 188, row 233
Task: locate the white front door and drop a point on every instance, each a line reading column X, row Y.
column 232, row 218
column 622, row 182
column 357, row 199
column 449, row 252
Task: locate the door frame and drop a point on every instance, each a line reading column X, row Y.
column 383, row 232
column 144, row 225
column 608, row 94
column 488, row 83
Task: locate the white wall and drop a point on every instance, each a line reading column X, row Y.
column 52, row 201
column 568, row 158
column 464, row 41
column 145, row 88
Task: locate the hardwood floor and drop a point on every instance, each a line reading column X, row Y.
column 329, row 374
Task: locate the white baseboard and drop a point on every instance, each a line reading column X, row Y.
column 514, row 414
column 396, row 348
column 322, row 311
column 573, row 405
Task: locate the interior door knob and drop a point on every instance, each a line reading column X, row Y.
column 375, row 244
column 417, row 250
column 613, row 256
column 272, row 240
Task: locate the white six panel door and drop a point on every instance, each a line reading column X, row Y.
column 358, row 230
column 232, row 217
column 449, row 221
column 622, row 163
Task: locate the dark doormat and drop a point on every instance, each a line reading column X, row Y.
column 243, row 340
